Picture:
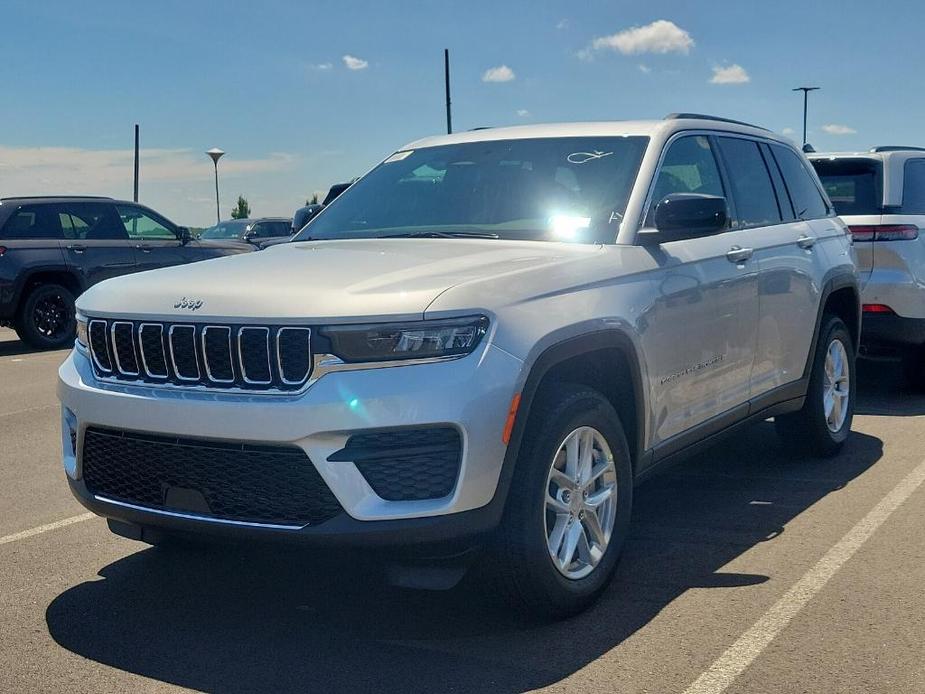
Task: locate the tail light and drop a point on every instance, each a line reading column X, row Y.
column 2, row 250
column 884, row 232
column 877, row 308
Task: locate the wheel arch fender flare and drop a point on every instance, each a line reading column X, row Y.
column 836, row 280
column 28, row 276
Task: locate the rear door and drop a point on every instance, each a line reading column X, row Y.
column 793, row 256
column 96, row 245
column 699, row 334
column 157, row 243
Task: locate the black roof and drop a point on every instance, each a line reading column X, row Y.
column 896, row 148
column 55, row 198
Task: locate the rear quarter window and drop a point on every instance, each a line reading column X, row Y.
column 32, row 222
column 914, row 187
column 855, row 186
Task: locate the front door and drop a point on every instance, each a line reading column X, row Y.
column 156, row 241
column 699, row 334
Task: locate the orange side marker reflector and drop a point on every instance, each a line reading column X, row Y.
column 511, row 416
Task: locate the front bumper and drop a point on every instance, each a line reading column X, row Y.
column 472, row 394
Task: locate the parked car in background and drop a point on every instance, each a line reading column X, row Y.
column 334, row 191
column 54, row 248
column 252, row 231
column 483, row 345
column 304, row 215
column 880, row 194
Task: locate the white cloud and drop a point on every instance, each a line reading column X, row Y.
column 788, row 132
column 523, row 113
column 354, row 63
column 320, row 66
column 730, row 74
column 644, row 69
column 501, row 73
column 562, row 24
column 661, row 36
column 837, row 129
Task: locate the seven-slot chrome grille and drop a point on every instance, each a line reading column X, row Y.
column 220, row 357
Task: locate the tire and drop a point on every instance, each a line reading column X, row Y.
column 46, row 319
column 523, row 569
column 813, row 428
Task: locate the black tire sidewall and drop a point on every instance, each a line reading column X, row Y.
column 565, row 411
column 26, row 328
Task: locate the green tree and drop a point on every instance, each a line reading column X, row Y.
column 242, row 210
column 313, row 200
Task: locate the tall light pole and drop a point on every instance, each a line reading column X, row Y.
column 446, row 82
column 806, row 91
column 216, row 154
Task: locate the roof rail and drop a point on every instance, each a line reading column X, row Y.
column 702, row 116
column 56, row 197
column 896, row 148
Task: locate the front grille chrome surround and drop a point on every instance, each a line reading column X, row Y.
column 199, row 356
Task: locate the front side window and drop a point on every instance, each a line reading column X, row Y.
column 688, row 167
column 914, row 187
column 140, row 224
column 853, row 185
column 755, row 199
column 551, row 189
column 807, row 200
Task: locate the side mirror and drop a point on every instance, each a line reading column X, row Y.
column 685, row 216
column 184, row 235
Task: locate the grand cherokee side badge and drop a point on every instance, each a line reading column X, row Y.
column 191, row 304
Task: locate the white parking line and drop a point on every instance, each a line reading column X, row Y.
column 750, row 645
column 45, row 528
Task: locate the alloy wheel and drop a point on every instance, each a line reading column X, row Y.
column 836, row 388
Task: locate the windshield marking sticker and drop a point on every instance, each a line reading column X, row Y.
column 584, row 157
column 398, row 156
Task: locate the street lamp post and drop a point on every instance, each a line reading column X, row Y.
column 806, row 91
column 215, row 153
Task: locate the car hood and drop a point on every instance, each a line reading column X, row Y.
column 333, row 281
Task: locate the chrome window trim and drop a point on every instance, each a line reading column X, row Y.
column 173, row 361
column 279, row 361
column 205, row 356
column 195, row 516
column 141, row 350
column 244, row 376
column 93, row 352
column 115, row 352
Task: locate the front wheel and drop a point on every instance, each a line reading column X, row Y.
column 569, row 506
column 824, row 422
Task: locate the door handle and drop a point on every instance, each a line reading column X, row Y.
column 806, row 242
column 737, row 254
column 143, row 248
column 77, row 248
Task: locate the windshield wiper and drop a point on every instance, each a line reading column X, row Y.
column 434, row 234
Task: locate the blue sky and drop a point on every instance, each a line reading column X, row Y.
column 272, row 84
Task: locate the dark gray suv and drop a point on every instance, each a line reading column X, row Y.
column 54, row 248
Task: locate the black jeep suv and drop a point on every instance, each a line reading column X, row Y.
column 53, row 248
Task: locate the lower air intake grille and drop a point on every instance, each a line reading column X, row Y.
column 275, row 485
column 406, row 464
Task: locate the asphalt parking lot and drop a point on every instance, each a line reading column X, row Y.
column 748, row 570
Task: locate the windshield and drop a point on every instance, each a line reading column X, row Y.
column 558, row 189
column 853, row 185
column 225, row 230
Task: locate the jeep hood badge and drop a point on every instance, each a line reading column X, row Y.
column 191, row 304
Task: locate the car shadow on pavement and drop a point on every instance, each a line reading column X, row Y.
column 239, row 621
column 14, row 347
column 881, row 391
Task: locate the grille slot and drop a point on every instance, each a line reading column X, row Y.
column 406, row 464
column 254, row 348
column 214, row 357
column 123, row 343
column 266, row 484
column 183, row 352
column 151, row 348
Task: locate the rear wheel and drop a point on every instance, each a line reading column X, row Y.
column 46, row 319
column 824, row 422
column 569, row 506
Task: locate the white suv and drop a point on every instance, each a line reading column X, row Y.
column 880, row 194
column 483, row 344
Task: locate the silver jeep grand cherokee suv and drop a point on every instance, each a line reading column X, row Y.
column 483, row 344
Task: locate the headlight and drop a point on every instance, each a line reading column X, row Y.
column 418, row 340
column 82, row 336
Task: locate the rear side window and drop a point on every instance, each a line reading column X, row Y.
column 752, row 190
column 914, row 187
column 32, row 222
column 853, row 185
column 807, row 200
column 90, row 221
